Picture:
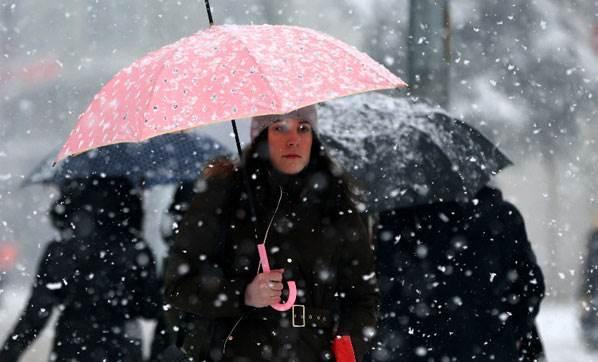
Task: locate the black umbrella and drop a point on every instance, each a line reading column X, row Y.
column 171, row 158
column 404, row 154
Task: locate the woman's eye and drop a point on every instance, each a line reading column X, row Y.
column 304, row 128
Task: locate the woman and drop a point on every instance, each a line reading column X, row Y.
column 99, row 275
column 313, row 236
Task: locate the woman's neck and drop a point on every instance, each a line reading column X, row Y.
column 292, row 184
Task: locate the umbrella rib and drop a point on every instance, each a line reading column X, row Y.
column 248, row 51
column 502, row 161
column 152, row 93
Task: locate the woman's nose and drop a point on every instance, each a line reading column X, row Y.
column 293, row 139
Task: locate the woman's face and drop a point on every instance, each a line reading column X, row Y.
column 289, row 144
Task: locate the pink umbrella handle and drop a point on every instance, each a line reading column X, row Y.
column 281, row 307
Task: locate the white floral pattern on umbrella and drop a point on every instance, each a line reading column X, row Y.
column 223, row 73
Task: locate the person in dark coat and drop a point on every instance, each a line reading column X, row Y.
column 459, row 282
column 313, row 236
column 589, row 292
column 100, row 272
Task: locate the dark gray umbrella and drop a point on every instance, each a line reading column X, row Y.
column 170, row 158
column 404, row 154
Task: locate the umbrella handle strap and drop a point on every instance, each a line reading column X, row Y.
column 281, row 307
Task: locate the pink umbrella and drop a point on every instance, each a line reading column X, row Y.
column 223, row 73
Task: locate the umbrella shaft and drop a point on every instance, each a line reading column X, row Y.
column 237, row 138
column 246, row 179
column 209, row 12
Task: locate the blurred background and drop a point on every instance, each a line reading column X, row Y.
column 523, row 72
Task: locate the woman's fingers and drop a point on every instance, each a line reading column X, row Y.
column 272, row 280
column 271, row 288
column 277, row 286
column 274, row 275
column 265, row 289
column 271, row 285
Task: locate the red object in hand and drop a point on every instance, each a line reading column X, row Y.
column 343, row 349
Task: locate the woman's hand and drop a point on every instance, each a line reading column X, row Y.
column 265, row 289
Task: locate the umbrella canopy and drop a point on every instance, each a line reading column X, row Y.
column 403, row 154
column 170, row 158
column 223, row 73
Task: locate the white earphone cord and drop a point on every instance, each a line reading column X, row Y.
column 270, row 224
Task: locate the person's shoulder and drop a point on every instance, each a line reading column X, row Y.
column 58, row 250
column 58, row 260
column 511, row 215
column 219, row 181
column 220, row 173
column 503, row 211
column 504, row 208
column 491, row 200
column 218, row 169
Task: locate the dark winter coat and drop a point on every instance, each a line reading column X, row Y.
column 318, row 239
column 458, row 282
column 102, row 289
column 100, row 277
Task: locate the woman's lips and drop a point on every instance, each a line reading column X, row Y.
column 291, row 156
